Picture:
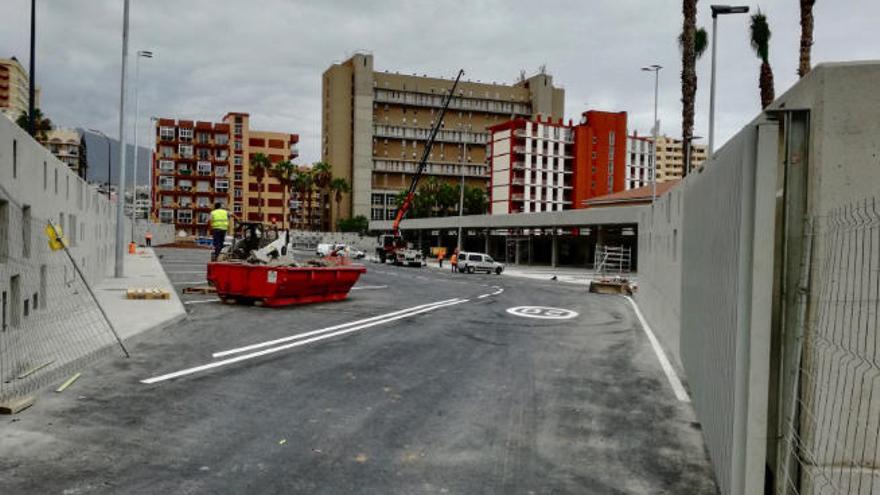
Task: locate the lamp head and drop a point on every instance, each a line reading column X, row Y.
column 729, row 9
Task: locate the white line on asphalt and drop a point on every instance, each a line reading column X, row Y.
column 368, row 287
column 499, row 291
column 382, row 317
column 271, row 350
column 202, row 301
column 677, row 387
column 481, row 296
column 190, row 282
column 181, row 273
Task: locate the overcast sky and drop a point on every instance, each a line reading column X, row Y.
column 266, row 57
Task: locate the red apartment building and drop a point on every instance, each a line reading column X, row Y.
column 199, row 163
column 550, row 166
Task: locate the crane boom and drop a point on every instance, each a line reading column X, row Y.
column 410, row 193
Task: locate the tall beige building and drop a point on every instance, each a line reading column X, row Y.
column 375, row 126
column 670, row 158
column 14, row 88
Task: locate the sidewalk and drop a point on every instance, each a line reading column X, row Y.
column 133, row 316
column 566, row 274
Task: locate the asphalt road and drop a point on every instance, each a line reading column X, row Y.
column 461, row 399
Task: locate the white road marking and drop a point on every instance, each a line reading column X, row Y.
column 202, row 301
column 190, row 282
column 381, row 317
column 481, row 296
column 271, row 350
column 181, row 273
column 369, row 287
column 677, row 387
column 499, row 291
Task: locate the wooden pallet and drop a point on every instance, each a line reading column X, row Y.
column 200, row 289
column 147, row 293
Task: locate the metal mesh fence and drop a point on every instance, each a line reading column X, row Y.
column 833, row 436
column 50, row 323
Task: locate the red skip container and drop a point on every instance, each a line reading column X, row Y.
column 282, row 285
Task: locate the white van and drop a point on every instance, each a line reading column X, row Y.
column 478, row 262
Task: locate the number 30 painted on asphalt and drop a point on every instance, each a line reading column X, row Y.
column 542, row 312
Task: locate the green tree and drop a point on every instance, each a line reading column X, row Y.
column 358, row 224
column 284, row 171
column 42, row 125
column 693, row 43
column 447, row 199
column 806, row 36
column 429, row 190
column 760, row 34
column 475, row 201
column 260, row 165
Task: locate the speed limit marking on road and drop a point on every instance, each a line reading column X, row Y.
column 542, row 312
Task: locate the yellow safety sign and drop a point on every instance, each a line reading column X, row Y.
column 56, row 237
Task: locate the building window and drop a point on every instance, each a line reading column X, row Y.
column 166, row 133
column 186, row 135
column 166, row 166
column 166, row 183
column 377, row 214
column 185, row 185
column 237, row 145
column 236, row 208
column 203, row 202
column 185, row 150
column 185, row 201
column 167, row 200
column 236, row 160
column 237, row 130
column 222, row 185
column 184, row 216
column 203, row 168
column 237, row 192
column 238, row 176
column 221, row 139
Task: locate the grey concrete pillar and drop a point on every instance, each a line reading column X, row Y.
column 516, row 258
column 554, row 250
column 530, row 249
column 486, row 245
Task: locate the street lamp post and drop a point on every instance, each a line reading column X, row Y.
column 109, row 159
column 118, row 269
column 460, row 205
column 656, row 70
column 716, row 11
column 137, row 72
column 32, row 124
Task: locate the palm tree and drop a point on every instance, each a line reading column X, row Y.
column 259, row 165
column 284, row 172
column 339, row 186
column 302, row 184
column 42, row 125
column 761, row 44
column 688, row 72
column 323, row 175
column 691, row 51
column 806, row 36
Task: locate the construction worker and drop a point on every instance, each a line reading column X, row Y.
column 440, row 254
column 219, row 227
column 149, row 238
column 453, row 261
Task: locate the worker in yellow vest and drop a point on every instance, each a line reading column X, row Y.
column 219, row 227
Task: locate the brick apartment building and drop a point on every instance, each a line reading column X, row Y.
column 545, row 165
column 198, row 163
column 375, row 126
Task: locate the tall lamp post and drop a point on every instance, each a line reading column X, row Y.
column 716, row 11
column 32, row 124
column 109, row 160
column 460, row 205
column 118, row 269
column 656, row 129
column 137, row 73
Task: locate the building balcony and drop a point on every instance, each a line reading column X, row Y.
column 423, row 133
column 412, row 98
column 452, row 169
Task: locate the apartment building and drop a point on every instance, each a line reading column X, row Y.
column 375, row 126
column 14, row 84
column 530, row 166
column 198, row 163
column 599, row 155
column 670, row 158
column 69, row 146
column 639, row 156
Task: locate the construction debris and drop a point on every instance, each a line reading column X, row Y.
column 15, row 406
column 35, row 369
column 612, row 285
column 68, row 382
column 148, row 293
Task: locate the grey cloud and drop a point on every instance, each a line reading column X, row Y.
column 266, row 56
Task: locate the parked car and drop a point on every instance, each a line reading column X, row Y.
column 327, row 249
column 478, row 262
